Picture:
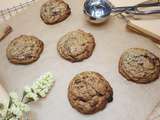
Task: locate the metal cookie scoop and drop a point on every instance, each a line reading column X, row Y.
column 98, row 11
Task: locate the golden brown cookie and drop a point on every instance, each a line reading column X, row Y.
column 89, row 92
column 76, row 45
column 54, row 11
column 24, row 49
column 139, row 65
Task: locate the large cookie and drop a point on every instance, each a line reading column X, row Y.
column 54, row 11
column 89, row 92
column 76, row 46
column 24, row 49
column 139, row 65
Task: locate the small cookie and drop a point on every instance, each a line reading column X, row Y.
column 139, row 65
column 76, row 46
column 54, row 11
column 24, row 49
column 89, row 92
column 4, row 30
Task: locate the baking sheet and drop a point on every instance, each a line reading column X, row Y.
column 131, row 101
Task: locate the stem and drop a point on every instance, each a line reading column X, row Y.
column 29, row 101
column 8, row 117
column 23, row 96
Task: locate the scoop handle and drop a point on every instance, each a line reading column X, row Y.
column 134, row 9
column 144, row 12
column 148, row 4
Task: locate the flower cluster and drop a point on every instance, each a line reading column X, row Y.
column 16, row 107
column 3, row 109
column 40, row 88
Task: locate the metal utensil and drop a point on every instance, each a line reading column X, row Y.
column 98, row 11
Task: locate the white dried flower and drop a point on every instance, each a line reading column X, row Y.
column 13, row 96
column 27, row 89
column 32, row 96
column 13, row 118
column 40, row 88
column 3, row 109
column 16, row 107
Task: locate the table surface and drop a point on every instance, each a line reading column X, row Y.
column 131, row 101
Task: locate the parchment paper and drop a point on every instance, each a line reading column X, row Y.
column 131, row 101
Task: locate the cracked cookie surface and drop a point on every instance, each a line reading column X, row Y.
column 139, row 65
column 89, row 92
column 54, row 11
column 24, row 49
column 76, row 46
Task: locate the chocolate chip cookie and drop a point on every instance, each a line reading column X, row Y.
column 24, row 49
column 89, row 92
column 54, row 11
column 139, row 65
column 76, row 45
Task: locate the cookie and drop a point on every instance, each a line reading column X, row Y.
column 89, row 92
column 76, row 46
column 54, row 11
column 139, row 65
column 4, row 30
column 24, row 49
